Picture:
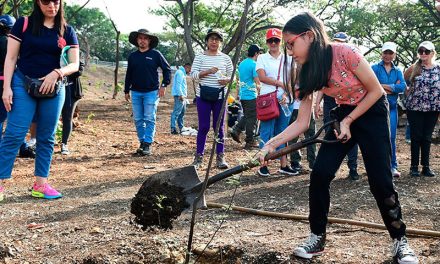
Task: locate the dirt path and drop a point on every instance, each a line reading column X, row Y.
column 92, row 223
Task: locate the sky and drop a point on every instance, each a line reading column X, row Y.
column 129, row 15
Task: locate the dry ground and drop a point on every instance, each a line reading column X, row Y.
column 92, row 223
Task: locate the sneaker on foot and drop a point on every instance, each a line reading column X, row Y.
column 64, row 149
column 198, row 160
column 174, row 132
column 427, row 172
column 221, row 162
column 251, row 145
column 408, row 141
column 139, row 150
column 414, row 171
column 313, row 246
column 288, row 171
column 353, row 175
column 403, row 253
column 45, row 191
column 146, row 149
column 264, row 171
column 28, row 152
column 2, row 193
column 296, row 167
column 395, row 172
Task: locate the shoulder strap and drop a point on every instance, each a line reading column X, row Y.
column 279, row 70
column 25, row 24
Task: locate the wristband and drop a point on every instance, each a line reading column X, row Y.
column 60, row 73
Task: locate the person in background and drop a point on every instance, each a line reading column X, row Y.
column 179, row 92
column 271, row 74
column 247, row 90
column 142, row 81
column 295, row 157
column 25, row 57
column 212, row 69
column 73, row 95
column 329, row 104
column 423, row 106
column 392, row 81
column 363, row 116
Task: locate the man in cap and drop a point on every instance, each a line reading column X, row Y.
column 142, row 80
column 392, row 81
column 247, row 92
column 340, row 37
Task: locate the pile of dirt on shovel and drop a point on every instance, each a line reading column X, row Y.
column 158, row 204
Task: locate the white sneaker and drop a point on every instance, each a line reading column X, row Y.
column 403, row 253
column 395, row 172
column 64, row 149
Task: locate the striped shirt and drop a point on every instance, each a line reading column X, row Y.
column 203, row 62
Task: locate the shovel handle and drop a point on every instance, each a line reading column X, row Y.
column 274, row 155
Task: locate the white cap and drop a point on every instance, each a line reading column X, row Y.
column 389, row 46
column 427, row 45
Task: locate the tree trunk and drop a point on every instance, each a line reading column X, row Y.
column 115, row 91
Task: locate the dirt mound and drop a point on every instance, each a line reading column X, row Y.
column 158, row 204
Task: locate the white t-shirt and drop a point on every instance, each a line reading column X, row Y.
column 270, row 65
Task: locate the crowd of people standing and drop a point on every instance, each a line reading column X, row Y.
column 307, row 74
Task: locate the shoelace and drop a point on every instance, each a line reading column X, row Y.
column 311, row 241
column 402, row 246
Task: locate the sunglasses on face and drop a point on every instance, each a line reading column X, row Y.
column 47, row 2
column 273, row 40
column 421, row 51
column 291, row 42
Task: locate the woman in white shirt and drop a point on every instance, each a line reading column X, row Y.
column 271, row 74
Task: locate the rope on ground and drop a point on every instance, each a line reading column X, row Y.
column 333, row 220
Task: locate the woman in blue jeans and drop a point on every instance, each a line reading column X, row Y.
column 35, row 53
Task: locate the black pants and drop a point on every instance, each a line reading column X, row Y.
column 295, row 157
column 371, row 132
column 352, row 155
column 69, row 106
column 249, row 120
column 421, row 125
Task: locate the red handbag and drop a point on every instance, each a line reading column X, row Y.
column 267, row 104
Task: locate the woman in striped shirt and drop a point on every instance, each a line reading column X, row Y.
column 212, row 70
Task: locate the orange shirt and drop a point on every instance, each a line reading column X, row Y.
column 343, row 84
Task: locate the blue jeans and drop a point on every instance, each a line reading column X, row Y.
column 393, row 130
column 271, row 128
column 46, row 111
column 144, row 113
column 178, row 113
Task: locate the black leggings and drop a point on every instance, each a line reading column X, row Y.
column 371, row 132
column 421, row 125
column 67, row 113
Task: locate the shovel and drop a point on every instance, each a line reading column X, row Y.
column 188, row 184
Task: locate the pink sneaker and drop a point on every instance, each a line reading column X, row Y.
column 45, row 191
column 2, row 193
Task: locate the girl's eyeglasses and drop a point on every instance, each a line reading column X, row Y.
column 273, row 40
column 421, row 51
column 47, row 2
column 291, row 42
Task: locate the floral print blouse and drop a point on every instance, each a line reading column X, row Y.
column 424, row 93
column 344, row 85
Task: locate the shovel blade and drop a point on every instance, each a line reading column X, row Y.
column 185, row 178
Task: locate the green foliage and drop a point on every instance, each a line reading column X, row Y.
column 90, row 117
column 59, row 133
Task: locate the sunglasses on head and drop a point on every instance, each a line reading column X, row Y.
column 47, row 2
column 421, row 51
column 273, row 40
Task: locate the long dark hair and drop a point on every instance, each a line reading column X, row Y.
column 36, row 19
column 315, row 72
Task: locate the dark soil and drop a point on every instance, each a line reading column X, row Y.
column 158, row 204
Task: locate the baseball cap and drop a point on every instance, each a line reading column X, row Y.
column 427, row 45
column 212, row 31
column 253, row 49
column 274, row 33
column 341, row 36
column 389, row 46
